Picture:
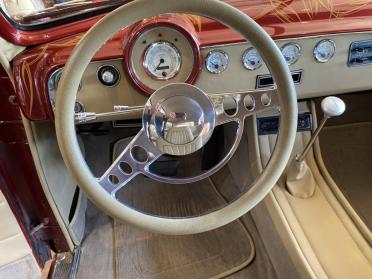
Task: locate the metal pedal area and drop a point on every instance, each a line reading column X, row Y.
column 66, row 265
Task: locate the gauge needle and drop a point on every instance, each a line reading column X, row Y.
column 161, row 62
column 159, row 68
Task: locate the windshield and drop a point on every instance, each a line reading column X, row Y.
column 36, row 12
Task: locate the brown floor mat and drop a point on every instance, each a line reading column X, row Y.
column 115, row 250
column 212, row 254
column 347, row 154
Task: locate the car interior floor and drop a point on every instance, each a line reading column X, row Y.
column 346, row 149
column 232, row 251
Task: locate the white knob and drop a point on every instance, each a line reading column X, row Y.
column 333, row 106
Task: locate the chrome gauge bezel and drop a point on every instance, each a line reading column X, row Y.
column 178, row 57
column 250, row 67
column 299, row 52
column 320, row 60
column 213, row 70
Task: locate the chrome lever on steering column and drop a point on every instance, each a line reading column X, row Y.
column 119, row 112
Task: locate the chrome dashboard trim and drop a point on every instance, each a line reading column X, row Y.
column 260, row 77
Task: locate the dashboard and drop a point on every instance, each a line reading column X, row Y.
column 154, row 53
column 320, row 65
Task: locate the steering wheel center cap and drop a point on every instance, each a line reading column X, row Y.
column 179, row 119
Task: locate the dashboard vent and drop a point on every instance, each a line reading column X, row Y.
column 264, row 81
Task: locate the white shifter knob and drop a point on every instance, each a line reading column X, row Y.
column 333, row 106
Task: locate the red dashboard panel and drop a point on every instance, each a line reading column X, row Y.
column 280, row 18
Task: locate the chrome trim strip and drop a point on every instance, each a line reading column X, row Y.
column 260, row 77
column 75, row 263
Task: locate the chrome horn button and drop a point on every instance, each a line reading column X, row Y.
column 179, row 119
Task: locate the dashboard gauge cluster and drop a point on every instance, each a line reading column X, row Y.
column 324, row 51
column 217, row 61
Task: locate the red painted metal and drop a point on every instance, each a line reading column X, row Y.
column 42, row 36
column 173, row 21
column 32, row 68
column 19, row 181
column 280, row 18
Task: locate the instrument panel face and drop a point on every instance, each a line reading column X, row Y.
column 335, row 76
column 161, row 55
column 162, row 60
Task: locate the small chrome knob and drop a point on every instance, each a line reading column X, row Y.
column 333, row 106
column 108, row 75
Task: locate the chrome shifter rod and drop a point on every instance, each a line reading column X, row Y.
column 331, row 107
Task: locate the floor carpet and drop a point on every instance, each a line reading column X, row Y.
column 347, row 154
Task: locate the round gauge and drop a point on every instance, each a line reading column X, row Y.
column 162, row 60
column 324, row 51
column 252, row 59
column 217, row 61
column 291, row 53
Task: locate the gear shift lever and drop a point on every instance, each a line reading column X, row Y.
column 300, row 181
column 331, row 107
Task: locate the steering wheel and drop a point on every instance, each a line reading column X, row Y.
column 178, row 119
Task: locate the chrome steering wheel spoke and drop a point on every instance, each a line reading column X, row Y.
column 246, row 103
column 133, row 160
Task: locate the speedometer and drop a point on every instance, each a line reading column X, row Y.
column 162, row 60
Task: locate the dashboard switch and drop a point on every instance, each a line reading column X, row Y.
column 108, row 75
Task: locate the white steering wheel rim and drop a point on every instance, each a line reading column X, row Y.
column 81, row 57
